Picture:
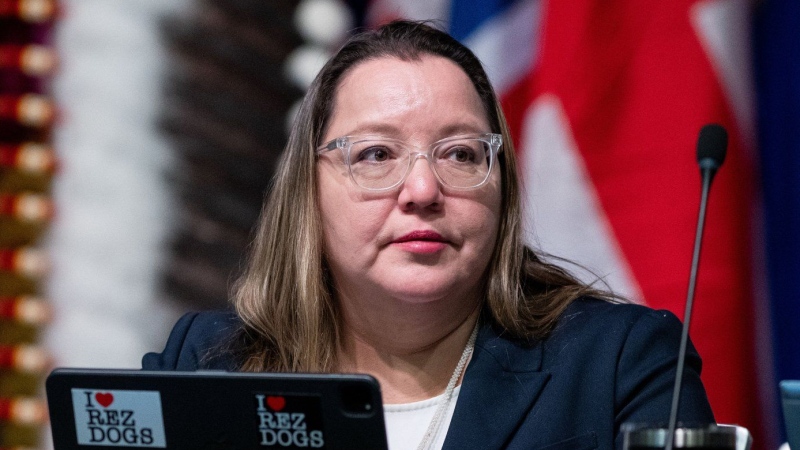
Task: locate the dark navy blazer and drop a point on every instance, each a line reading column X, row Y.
column 604, row 364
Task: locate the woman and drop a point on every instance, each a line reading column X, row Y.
column 391, row 245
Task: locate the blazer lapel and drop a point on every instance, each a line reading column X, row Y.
column 502, row 382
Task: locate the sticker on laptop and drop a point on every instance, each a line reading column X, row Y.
column 289, row 422
column 118, row 418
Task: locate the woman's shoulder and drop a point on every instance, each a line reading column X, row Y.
column 591, row 326
column 591, row 313
column 197, row 341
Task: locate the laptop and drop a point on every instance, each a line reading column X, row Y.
column 790, row 397
column 111, row 409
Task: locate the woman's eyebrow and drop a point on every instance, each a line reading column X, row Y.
column 464, row 128
column 389, row 130
column 375, row 128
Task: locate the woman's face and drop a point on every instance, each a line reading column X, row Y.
column 421, row 241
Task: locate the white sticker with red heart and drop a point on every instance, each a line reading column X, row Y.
column 119, row 418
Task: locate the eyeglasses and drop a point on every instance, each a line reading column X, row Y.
column 380, row 164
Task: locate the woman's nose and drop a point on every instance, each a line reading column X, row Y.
column 421, row 188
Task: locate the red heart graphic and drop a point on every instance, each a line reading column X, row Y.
column 276, row 403
column 104, row 398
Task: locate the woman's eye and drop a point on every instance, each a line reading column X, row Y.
column 460, row 154
column 374, row 154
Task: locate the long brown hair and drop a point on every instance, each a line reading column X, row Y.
column 285, row 300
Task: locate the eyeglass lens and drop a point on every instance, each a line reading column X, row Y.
column 459, row 163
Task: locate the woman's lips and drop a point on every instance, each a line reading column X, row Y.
column 421, row 242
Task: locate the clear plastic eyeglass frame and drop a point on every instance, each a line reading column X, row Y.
column 490, row 142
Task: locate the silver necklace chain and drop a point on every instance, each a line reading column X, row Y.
column 444, row 403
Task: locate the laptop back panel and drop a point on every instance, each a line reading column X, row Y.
column 111, row 409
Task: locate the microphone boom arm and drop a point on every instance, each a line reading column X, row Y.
column 707, row 176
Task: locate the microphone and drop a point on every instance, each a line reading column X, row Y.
column 711, row 147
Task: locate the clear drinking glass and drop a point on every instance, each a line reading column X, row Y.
column 643, row 437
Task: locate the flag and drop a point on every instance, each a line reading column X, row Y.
column 620, row 93
column 605, row 100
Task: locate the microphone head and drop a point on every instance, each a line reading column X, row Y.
column 711, row 146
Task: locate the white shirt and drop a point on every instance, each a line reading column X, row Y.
column 406, row 423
